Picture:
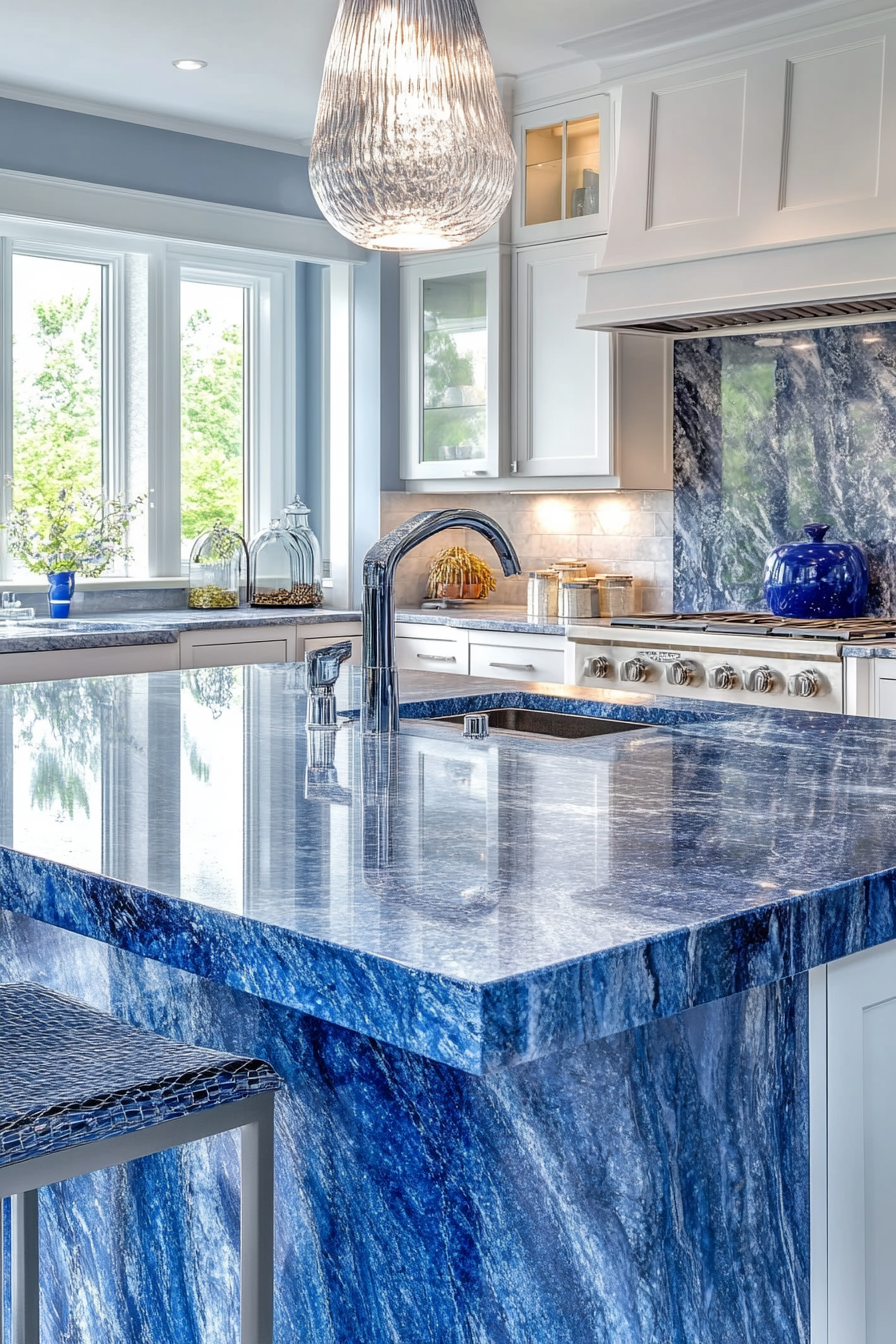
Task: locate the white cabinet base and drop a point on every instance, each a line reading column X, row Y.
column 64, row 664
column 853, row 1153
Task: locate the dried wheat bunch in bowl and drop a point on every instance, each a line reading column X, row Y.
column 457, row 573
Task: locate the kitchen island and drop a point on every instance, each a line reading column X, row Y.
column 541, row 1006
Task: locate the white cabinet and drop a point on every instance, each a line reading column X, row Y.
column 564, row 377
column 512, row 656
column 870, row 687
column 853, row 1154
column 431, row 648
column 241, row 646
column 63, row 664
column 588, row 404
column 563, row 171
column 455, row 358
column 502, row 655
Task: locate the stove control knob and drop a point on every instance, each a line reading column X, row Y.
column 634, row 670
column 598, row 667
column 723, row 677
column 805, row 683
column 761, row 680
column 680, row 673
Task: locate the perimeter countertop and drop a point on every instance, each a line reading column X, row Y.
column 163, row 627
column 478, row 903
column 149, row 627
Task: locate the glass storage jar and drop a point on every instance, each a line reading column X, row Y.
column 217, row 569
column 617, row 594
column 284, row 562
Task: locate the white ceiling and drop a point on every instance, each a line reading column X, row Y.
column 265, row 58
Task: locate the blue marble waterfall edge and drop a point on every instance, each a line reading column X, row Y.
column 650, row 1188
column 706, row 879
column 477, row 1028
column 767, row 438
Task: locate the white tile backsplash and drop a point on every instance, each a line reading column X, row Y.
column 620, row 533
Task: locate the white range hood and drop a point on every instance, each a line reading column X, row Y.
column 797, row 284
column 756, row 190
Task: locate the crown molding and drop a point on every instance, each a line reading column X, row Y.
column 39, row 199
column 686, row 35
column 159, row 120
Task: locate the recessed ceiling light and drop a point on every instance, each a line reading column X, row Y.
column 871, row 340
column 189, row 63
column 803, row 345
column 766, row 342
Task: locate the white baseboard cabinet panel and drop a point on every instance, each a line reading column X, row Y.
column 853, row 1041
column 63, row 664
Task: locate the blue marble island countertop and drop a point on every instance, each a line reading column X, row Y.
column 481, row 904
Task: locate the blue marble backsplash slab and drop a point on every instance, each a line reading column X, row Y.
column 771, row 432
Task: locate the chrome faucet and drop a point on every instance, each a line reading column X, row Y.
column 379, row 705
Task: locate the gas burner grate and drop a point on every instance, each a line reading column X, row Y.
column 857, row 628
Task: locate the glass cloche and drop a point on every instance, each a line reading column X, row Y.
column 284, row 562
column 216, row 568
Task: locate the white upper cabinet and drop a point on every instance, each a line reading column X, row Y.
column 591, row 405
column 564, row 377
column 563, row 171
column 785, row 141
column 454, row 365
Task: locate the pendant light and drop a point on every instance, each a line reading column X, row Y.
column 411, row 150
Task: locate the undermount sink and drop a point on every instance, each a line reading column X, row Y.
column 545, row 723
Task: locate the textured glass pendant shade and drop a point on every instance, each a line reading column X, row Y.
column 410, row 149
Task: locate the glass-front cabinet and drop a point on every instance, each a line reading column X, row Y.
column 564, row 171
column 454, row 359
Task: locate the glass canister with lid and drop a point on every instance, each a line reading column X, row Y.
column 217, row 569
column 285, row 562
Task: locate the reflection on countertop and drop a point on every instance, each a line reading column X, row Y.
column 478, row 903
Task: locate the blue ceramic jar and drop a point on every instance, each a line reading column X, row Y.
column 816, row 579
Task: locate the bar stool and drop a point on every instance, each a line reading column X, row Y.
column 80, row 1091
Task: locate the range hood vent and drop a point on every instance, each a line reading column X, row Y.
column 794, row 315
column 829, row 281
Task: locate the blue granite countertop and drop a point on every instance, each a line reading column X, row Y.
column 884, row 650
column 163, row 627
column 484, row 617
column 479, row 903
column 147, row 627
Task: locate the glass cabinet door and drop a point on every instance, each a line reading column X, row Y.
column 454, row 348
column 455, row 368
column 560, row 178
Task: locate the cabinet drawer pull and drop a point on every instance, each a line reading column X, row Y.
column 515, row 667
column 437, row 658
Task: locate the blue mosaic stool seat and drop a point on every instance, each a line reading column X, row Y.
column 80, row 1091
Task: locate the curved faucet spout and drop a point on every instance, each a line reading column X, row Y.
column 379, row 706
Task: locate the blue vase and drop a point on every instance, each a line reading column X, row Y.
column 62, row 585
column 816, row 579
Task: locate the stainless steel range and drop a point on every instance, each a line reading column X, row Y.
column 747, row 657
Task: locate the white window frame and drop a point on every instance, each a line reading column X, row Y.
column 271, row 441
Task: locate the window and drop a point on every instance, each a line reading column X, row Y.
column 59, row 335
column 212, row 409
column 148, row 368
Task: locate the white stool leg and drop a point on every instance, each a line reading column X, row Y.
column 256, row 1229
column 25, row 1269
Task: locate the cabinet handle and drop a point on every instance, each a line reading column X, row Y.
column 437, row 658
column 515, row 667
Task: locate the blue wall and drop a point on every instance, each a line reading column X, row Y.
column 56, row 143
